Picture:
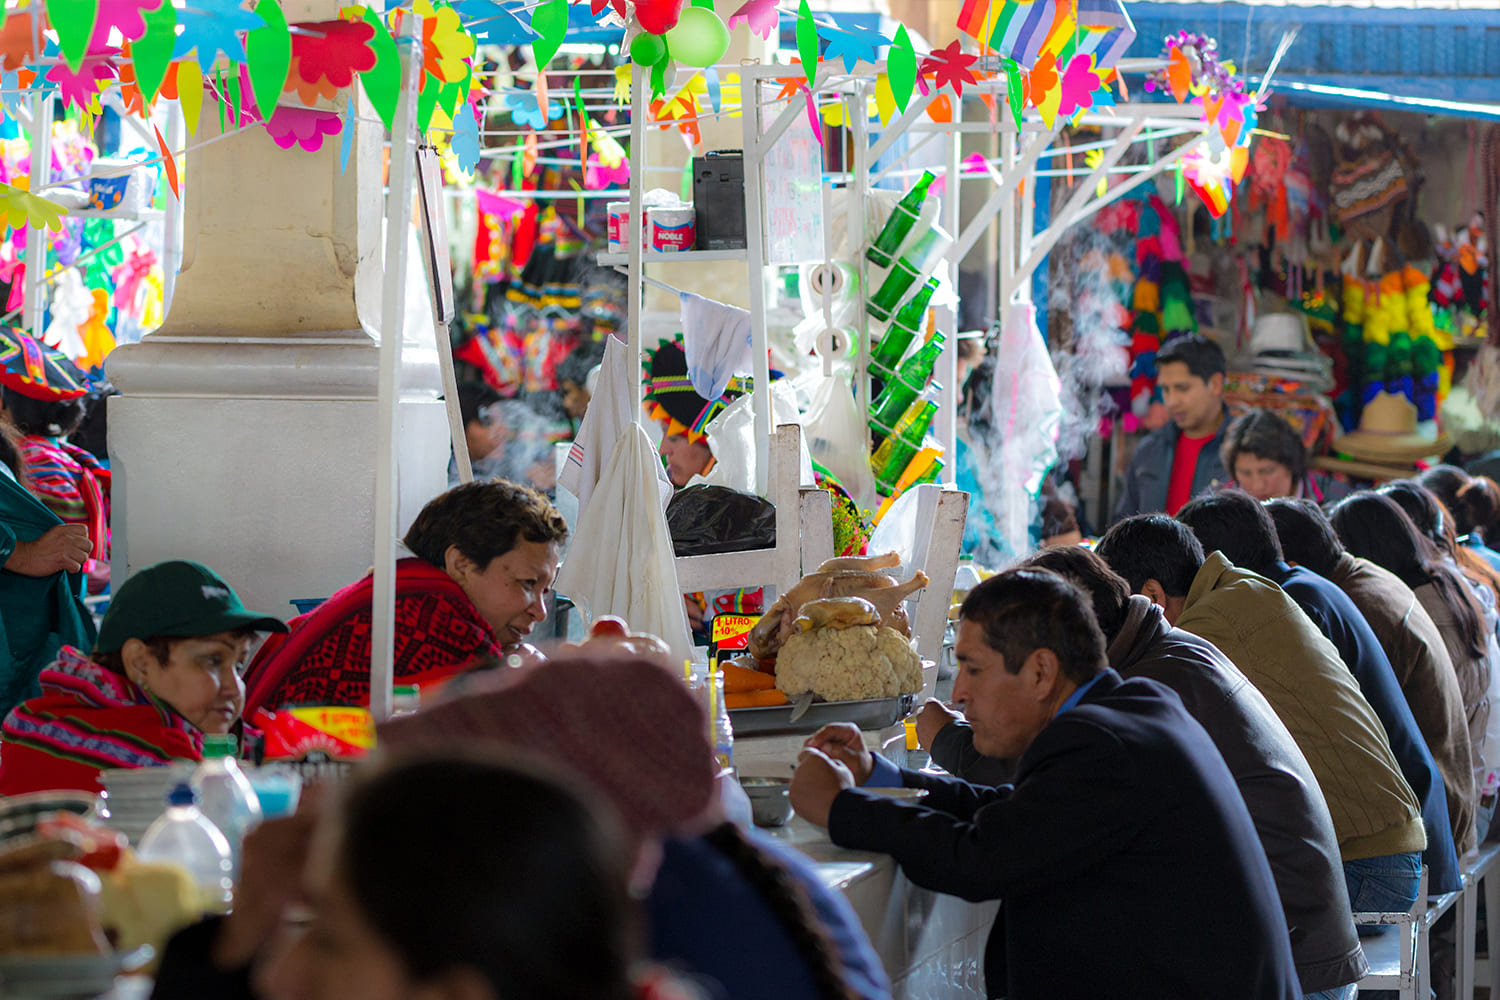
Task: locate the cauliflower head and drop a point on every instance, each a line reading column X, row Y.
column 849, row 664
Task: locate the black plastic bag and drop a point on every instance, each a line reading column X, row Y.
column 704, row 520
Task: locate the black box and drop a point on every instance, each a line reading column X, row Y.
column 719, row 199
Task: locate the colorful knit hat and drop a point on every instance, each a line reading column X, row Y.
column 670, row 396
column 33, row 369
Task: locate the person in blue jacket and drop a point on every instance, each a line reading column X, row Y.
column 1235, row 523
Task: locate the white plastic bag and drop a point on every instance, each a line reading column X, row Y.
column 731, row 437
column 621, row 560
column 836, row 437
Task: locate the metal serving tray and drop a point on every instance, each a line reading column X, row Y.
column 876, row 713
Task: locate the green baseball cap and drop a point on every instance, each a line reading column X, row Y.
column 177, row 598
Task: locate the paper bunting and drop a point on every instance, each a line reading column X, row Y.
column 329, row 53
column 1079, row 83
column 305, row 127
column 445, row 44
column 1179, row 73
column 525, row 109
column 550, row 22
column 268, row 56
column 465, row 141
column 73, row 21
column 812, row 115
column 807, row 45
column 901, row 67
column 852, row 45
column 382, row 83
column 168, row 162
column 346, row 137
column 715, row 90
column 212, row 27
column 1015, row 90
column 80, row 89
column 17, row 38
column 950, row 66
column 128, row 16
column 187, row 81
column 151, row 53
column 130, row 94
column 761, row 15
column 19, row 207
column 494, row 22
column 1043, row 88
column 309, row 93
column 885, row 100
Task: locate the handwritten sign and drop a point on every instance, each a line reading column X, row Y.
column 793, row 197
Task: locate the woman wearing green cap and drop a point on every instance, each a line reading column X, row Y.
column 166, row 669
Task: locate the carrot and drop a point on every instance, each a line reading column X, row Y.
column 738, row 680
column 754, row 699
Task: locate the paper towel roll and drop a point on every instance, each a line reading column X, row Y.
column 835, row 344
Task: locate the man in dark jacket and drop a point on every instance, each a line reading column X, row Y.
column 1411, row 641
column 1234, row 523
column 1123, row 818
column 1280, row 791
column 1180, row 460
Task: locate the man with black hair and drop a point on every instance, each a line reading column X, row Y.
column 1120, row 802
column 1180, row 460
column 1235, row 524
column 1412, row 643
column 1280, row 791
column 1375, row 813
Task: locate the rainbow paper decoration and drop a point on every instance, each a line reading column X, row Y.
column 1024, row 30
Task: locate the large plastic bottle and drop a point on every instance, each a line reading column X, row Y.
column 225, row 795
column 183, row 836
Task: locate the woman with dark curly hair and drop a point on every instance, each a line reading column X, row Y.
column 1267, row 459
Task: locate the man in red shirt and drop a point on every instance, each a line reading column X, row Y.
column 1181, row 460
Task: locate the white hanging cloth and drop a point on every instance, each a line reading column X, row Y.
column 621, row 560
column 716, row 342
column 609, row 415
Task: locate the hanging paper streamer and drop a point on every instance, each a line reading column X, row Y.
column 807, row 44
column 901, row 67
column 188, row 84
column 73, row 20
column 382, row 82
column 550, row 22
column 1015, row 90
column 268, row 54
column 885, row 101
column 152, row 52
column 346, row 138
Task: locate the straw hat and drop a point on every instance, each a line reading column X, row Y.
column 1387, row 433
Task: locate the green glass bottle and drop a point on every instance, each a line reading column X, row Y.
column 909, row 383
column 903, row 217
column 905, row 441
column 903, row 330
column 892, row 290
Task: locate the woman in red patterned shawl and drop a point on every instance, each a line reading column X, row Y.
column 483, row 559
column 43, row 394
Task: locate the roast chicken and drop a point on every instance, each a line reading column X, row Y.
column 859, row 577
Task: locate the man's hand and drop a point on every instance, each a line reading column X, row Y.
column 816, row 783
column 842, row 742
column 64, row 548
column 273, row 857
column 931, row 720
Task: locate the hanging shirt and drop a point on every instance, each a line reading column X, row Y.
column 1184, row 465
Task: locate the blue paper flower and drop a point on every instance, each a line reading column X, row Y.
column 212, row 27
column 851, row 44
column 494, row 22
column 526, row 110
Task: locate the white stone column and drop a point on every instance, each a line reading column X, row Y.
column 246, row 434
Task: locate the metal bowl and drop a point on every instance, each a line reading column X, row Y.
column 770, row 800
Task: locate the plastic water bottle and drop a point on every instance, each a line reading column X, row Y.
column 225, row 795
column 406, row 699
column 183, row 836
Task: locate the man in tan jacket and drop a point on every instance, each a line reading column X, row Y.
column 1376, row 816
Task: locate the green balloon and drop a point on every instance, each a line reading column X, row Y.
column 648, row 50
column 699, row 38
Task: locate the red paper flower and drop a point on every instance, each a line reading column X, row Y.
column 332, row 50
column 950, row 66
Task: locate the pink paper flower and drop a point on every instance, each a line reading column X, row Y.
column 304, row 126
column 78, row 89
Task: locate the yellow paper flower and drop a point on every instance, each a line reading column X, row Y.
column 729, row 95
column 19, row 207
column 445, row 43
column 622, row 83
column 611, row 153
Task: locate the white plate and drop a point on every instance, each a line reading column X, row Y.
column 66, row 977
